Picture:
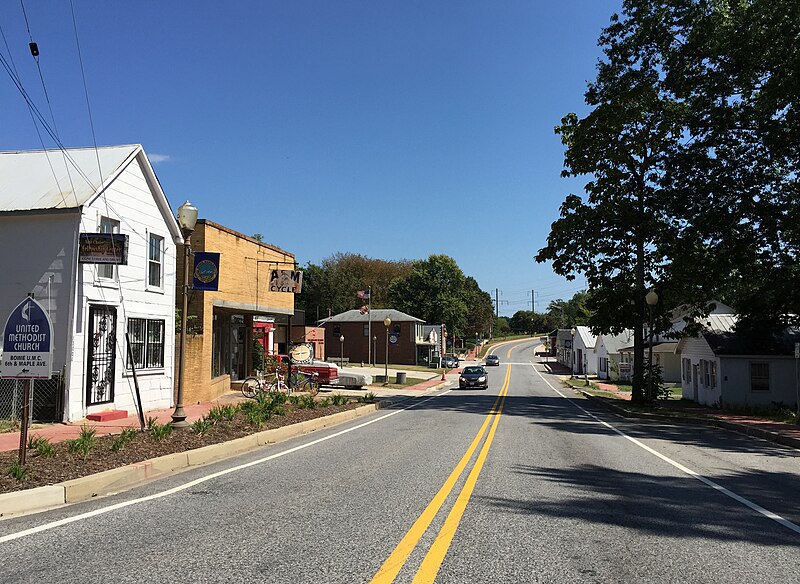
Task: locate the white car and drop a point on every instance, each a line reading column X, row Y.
column 353, row 379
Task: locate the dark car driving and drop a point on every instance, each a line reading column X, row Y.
column 450, row 361
column 475, row 376
column 492, row 360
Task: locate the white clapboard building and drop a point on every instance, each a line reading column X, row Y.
column 50, row 203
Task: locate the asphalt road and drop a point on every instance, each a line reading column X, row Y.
column 524, row 482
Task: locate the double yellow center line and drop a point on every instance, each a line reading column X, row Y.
column 435, row 556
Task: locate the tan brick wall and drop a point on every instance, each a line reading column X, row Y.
column 244, row 279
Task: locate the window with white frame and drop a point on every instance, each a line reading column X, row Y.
column 704, row 372
column 759, row 376
column 107, row 271
column 155, row 262
column 147, row 343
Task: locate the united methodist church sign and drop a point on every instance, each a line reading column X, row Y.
column 27, row 343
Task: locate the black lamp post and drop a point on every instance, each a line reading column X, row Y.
column 187, row 220
column 341, row 341
column 652, row 299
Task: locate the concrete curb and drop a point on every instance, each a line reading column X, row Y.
column 123, row 478
column 732, row 426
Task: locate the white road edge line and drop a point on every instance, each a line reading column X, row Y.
column 716, row 486
column 190, row 484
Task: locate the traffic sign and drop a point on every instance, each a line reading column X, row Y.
column 27, row 343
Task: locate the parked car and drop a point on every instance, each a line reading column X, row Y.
column 474, row 376
column 353, row 379
column 449, row 361
column 492, row 360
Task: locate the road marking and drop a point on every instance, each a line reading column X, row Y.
column 397, row 559
column 190, row 484
column 716, row 486
column 433, row 559
column 399, row 556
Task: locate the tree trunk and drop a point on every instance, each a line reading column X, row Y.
column 637, row 392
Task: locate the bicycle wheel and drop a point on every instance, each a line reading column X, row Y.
column 250, row 387
column 313, row 386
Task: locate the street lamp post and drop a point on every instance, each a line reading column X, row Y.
column 572, row 353
column 374, row 350
column 652, row 299
column 187, row 220
column 341, row 361
column 387, row 321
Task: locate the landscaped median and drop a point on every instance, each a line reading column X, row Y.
column 124, row 477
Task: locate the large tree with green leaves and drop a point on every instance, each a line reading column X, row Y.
column 437, row 291
column 333, row 285
column 692, row 152
column 618, row 236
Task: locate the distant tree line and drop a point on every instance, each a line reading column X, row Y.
column 435, row 290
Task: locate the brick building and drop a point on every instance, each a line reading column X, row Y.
column 407, row 342
column 220, row 325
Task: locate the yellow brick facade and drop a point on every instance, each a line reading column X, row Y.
column 244, row 268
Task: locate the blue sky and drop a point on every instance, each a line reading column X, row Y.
column 391, row 129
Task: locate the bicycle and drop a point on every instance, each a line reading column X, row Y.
column 309, row 382
column 253, row 385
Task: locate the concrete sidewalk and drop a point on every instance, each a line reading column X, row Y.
column 67, row 431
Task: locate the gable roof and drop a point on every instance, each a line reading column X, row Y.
column 71, row 178
column 615, row 343
column 378, row 315
column 586, row 336
column 738, row 343
column 55, row 179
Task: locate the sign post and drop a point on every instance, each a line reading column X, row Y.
column 27, row 354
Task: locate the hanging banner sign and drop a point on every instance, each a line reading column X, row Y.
column 27, row 343
column 286, row 281
column 205, row 275
column 103, row 248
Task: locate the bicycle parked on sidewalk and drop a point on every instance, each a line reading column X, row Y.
column 253, row 385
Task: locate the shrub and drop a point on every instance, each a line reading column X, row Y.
column 224, row 413
column 126, row 436
column 42, row 446
column 338, row 399
column 202, row 426
column 159, row 432
column 84, row 443
column 18, row 471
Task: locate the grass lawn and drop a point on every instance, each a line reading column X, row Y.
column 409, row 381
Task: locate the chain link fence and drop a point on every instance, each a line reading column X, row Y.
column 47, row 399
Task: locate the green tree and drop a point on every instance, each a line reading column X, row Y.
column 333, row 285
column 479, row 308
column 619, row 236
column 436, row 290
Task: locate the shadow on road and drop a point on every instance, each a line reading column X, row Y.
column 655, row 505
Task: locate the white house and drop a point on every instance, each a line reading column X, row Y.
column 665, row 346
column 47, row 200
column 722, row 366
column 607, row 348
column 584, row 358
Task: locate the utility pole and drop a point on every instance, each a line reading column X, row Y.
column 497, row 302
